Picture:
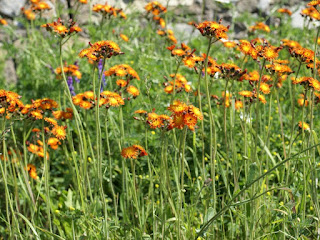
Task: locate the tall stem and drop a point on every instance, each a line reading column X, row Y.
column 213, row 144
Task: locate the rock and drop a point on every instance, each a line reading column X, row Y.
column 11, row 8
column 184, row 32
column 10, row 72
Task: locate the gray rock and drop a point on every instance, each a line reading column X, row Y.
column 11, row 8
column 10, row 72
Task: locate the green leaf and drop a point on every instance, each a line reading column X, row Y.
column 68, row 203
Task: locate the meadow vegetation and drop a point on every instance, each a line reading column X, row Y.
column 116, row 129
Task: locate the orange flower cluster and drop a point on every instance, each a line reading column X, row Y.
column 72, row 70
column 36, row 6
column 290, row 43
column 311, row 66
column 10, row 103
column 83, row 1
column 314, row 3
column 133, row 152
column 303, row 55
column 226, row 98
column 230, row 71
column 29, row 14
column 251, row 95
column 108, row 10
column 3, row 21
column 100, row 50
column 157, row 121
column 32, row 171
column 110, row 99
column 307, row 82
column 279, row 68
column 39, row 109
column 180, row 83
column 182, row 52
column 251, row 76
column 311, row 13
column 184, row 115
column 127, row 74
column 266, row 51
column 169, row 34
column 260, row 26
column 124, row 71
column 212, row 29
column 38, row 149
column 61, row 29
column 87, row 100
column 284, row 11
column 63, row 115
column 156, row 9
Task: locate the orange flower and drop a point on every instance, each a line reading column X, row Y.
column 121, row 83
column 32, row 171
column 238, row 105
column 190, row 120
column 40, row 6
column 285, row 11
column 124, row 37
column 245, row 93
column 304, row 125
column 33, row 148
column 229, row 44
column 36, row 114
column 140, row 111
column 54, row 143
column 265, row 88
column 260, row 26
column 3, row 21
column 133, row 91
column 51, row 121
column 133, row 152
column 59, row 132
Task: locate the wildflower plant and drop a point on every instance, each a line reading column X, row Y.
column 216, row 137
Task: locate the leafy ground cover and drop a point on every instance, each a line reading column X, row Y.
column 118, row 130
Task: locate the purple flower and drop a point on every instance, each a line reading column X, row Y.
column 70, row 85
column 100, row 66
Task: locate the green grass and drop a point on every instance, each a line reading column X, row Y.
column 234, row 177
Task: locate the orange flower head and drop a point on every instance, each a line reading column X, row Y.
column 59, row 132
column 245, row 93
column 130, row 152
column 133, row 91
column 304, row 126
